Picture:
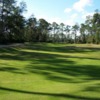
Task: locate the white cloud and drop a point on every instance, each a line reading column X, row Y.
column 81, row 4
column 73, row 16
column 80, row 8
column 69, row 22
column 67, row 10
column 72, row 19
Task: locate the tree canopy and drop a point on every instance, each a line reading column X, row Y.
column 14, row 27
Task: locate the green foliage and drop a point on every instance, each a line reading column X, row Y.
column 93, row 27
column 15, row 28
column 11, row 21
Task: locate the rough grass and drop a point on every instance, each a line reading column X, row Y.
column 50, row 72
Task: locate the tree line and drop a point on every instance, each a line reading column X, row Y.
column 14, row 27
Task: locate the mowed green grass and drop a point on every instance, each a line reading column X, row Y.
column 44, row 71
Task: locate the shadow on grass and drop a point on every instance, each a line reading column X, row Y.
column 55, row 67
column 17, row 54
column 62, row 48
column 9, row 50
column 93, row 88
column 11, row 69
column 52, row 66
column 68, row 73
column 48, row 94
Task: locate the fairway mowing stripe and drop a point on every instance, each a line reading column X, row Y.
column 55, row 53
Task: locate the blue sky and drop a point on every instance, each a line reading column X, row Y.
column 66, row 11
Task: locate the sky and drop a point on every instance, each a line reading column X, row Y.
column 68, row 12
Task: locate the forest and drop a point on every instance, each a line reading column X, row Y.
column 15, row 28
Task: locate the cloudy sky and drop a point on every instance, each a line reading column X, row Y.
column 66, row 11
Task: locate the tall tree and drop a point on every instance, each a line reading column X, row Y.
column 83, row 33
column 89, row 28
column 55, row 35
column 31, row 29
column 96, row 26
column 44, row 30
column 6, row 8
column 12, row 20
column 62, row 29
column 67, row 31
column 75, row 29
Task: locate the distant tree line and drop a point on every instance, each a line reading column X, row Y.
column 15, row 28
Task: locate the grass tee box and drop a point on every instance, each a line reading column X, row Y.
column 44, row 71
